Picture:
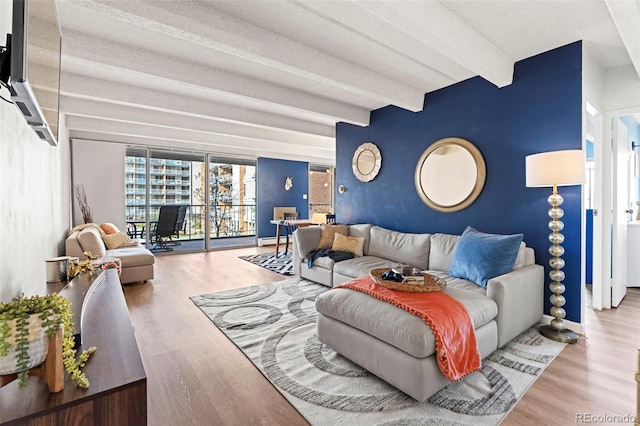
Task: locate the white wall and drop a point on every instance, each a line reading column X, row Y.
column 593, row 79
column 622, row 89
column 34, row 203
column 35, row 182
column 6, row 9
column 99, row 166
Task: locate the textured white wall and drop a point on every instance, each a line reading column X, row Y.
column 35, row 212
column 592, row 81
column 6, row 9
column 622, row 87
column 99, row 166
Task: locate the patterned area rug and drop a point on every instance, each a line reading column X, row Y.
column 283, row 264
column 274, row 325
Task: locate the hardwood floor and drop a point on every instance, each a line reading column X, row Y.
column 196, row 376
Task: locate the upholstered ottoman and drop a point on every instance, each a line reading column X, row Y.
column 393, row 344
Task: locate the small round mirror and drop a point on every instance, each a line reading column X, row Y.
column 366, row 162
column 450, row 175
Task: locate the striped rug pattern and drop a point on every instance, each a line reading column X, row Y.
column 282, row 264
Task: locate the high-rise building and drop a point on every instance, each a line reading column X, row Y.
column 170, row 184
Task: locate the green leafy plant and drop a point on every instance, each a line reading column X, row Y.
column 55, row 312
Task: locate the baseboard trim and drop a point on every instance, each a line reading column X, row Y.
column 571, row 325
column 269, row 241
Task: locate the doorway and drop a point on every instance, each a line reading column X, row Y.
column 321, row 191
column 627, row 129
column 616, row 193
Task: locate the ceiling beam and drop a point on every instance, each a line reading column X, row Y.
column 79, row 86
column 237, row 152
column 148, row 65
column 128, row 114
column 358, row 39
column 626, row 17
column 431, row 24
column 202, row 25
column 438, row 69
column 214, row 140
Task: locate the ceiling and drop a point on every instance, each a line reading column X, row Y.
column 271, row 78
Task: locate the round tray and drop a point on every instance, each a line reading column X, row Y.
column 431, row 283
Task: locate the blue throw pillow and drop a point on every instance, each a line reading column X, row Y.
column 479, row 257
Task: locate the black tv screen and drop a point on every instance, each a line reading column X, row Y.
column 35, row 65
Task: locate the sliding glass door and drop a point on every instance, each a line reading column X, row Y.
column 232, row 201
column 213, row 199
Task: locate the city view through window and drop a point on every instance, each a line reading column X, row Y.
column 181, row 180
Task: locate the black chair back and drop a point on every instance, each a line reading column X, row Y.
column 167, row 221
column 182, row 213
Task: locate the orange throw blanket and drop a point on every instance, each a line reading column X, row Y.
column 456, row 348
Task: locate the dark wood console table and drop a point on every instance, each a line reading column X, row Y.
column 118, row 391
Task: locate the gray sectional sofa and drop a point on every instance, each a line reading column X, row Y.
column 379, row 337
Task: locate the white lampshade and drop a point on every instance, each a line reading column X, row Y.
column 559, row 168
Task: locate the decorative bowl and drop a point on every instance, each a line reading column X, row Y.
column 407, row 271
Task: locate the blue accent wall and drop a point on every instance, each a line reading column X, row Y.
column 270, row 177
column 541, row 111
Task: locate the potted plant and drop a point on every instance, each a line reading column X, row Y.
column 26, row 325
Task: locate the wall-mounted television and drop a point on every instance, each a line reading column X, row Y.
column 35, row 53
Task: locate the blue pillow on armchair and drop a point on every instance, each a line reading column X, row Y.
column 479, row 257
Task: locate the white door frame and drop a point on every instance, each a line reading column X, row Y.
column 602, row 242
column 620, row 216
column 600, row 239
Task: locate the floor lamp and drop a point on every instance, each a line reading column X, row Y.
column 556, row 168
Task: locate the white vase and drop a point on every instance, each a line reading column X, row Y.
column 38, row 346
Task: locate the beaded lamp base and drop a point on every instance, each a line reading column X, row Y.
column 564, row 336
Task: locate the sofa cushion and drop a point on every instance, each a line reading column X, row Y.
column 459, row 283
column 324, row 262
column 116, row 240
column 91, row 240
column 109, row 228
column 479, row 257
column 360, row 266
column 525, row 257
column 400, row 247
column 328, row 233
column 441, row 251
column 396, row 326
column 133, row 256
column 72, row 245
column 361, row 230
column 306, row 239
column 353, row 245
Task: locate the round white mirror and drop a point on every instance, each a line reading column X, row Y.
column 450, row 175
column 366, row 162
